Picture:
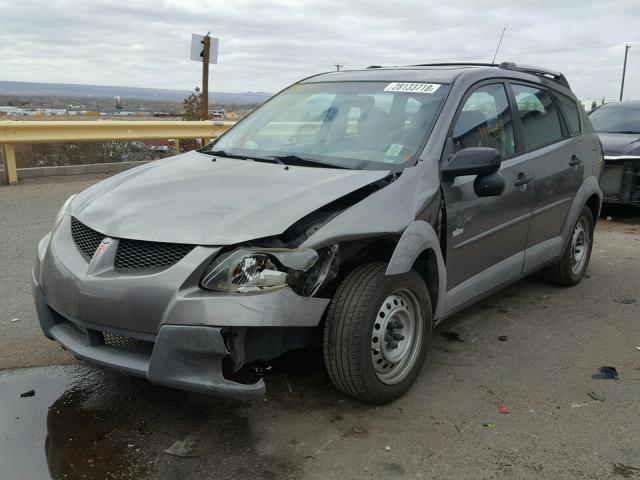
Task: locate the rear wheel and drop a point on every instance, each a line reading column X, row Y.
column 570, row 269
column 377, row 332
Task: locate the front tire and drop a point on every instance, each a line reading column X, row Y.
column 572, row 266
column 377, row 332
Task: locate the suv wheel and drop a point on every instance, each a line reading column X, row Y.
column 570, row 269
column 377, row 332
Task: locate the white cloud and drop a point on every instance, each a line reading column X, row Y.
column 267, row 45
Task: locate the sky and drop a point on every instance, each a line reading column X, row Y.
column 266, row 45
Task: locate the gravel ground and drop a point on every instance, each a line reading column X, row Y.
column 85, row 423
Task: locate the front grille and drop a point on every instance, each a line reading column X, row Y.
column 85, row 238
column 78, row 327
column 127, row 343
column 138, row 255
column 131, row 254
column 119, row 342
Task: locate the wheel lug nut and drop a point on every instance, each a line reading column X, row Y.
column 392, row 345
column 397, row 337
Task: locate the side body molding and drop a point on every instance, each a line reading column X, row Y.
column 418, row 237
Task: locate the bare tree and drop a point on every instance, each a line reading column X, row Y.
column 191, row 106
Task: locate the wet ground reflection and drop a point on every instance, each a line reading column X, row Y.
column 83, row 423
column 60, row 432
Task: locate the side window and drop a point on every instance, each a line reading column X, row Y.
column 485, row 121
column 540, row 120
column 570, row 111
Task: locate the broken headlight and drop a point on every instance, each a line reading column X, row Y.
column 254, row 270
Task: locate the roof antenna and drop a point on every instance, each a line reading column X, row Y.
column 498, row 47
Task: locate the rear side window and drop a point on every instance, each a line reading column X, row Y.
column 539, row 116
column 570, row 111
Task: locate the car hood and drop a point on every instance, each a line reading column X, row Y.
column 616, row 144
column 191, row 199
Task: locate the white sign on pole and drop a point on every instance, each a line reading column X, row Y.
column 197, row 46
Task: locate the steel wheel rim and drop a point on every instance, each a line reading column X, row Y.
column 580, row 242
column 396, row 337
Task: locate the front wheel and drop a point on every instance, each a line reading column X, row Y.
column 572, row 266
column 377, row 332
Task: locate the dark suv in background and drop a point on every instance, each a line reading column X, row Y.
column 353, row 210
column 618, row 125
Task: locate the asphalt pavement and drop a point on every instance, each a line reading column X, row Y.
column 529, row 350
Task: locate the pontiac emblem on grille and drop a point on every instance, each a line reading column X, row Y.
column 101, row 248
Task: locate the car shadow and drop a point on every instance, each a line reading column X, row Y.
column 621, row 213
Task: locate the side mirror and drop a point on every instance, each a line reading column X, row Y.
column 491, row 185
column 472, row 161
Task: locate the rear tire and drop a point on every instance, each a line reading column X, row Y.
column 377, row 332
column 570, row 269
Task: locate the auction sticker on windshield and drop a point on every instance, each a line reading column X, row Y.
column 412, row 87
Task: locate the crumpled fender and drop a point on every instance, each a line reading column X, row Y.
column 406, row 208
column 388, row 211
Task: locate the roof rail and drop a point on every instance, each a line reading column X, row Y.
column 540, row 71
column 456, row 64
column 551, row 74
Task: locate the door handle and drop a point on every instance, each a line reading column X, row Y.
column 522, row 180
column 575, row 161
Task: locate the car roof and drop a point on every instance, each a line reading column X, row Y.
column 627, row 103
column 390, row 74
column 446, row 73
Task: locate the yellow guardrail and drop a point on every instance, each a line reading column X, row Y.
column 20, row 132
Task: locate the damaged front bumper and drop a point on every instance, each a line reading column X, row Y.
column 162, row 326
column 180, row 356
column 620, row 181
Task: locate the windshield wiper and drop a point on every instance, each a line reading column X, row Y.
column 222, row 153
column 296, row 159
column 625, row 131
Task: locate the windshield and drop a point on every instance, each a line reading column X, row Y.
column 616, row 119
column 368, row 125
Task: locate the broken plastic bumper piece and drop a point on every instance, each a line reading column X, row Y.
column 180, row 356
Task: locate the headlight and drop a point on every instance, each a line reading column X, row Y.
column 254, row 270
column 62, row 212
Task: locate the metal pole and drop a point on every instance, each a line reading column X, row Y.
column 624, row 68
column 10, row 171
column 204, row 99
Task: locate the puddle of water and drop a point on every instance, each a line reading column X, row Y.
column 56, row 433
column 84, row 423
column 23, row 424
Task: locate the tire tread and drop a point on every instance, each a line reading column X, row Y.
column 343, row 329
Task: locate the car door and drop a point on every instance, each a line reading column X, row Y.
column 485, row 236
column 555, row 158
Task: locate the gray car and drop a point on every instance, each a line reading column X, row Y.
column 354, row 210
column 618, row 125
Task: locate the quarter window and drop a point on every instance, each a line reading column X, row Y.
column 485, row 121
column 570, row 111
column 539, row 117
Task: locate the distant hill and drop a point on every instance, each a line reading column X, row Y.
column 104, row 91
